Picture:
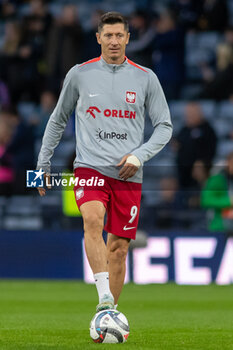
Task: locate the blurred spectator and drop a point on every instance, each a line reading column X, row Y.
column 12, row 37
column 7, row 174
column 37, row 23
column 214, row 15
column 35, row 30
column 142, row 34
column 219, row 86
column 39, row 19
column 21, row 148
column 168, row 204
column 200, row 173
column 11, row 62
column 36, row 26
column 228, row 35
column 18, row 64
column 43, row 111
column 65, row 45
column 168, row 53
column 189, row 12
column 195, row 141
column 91, row 47
column 7, row 10
column 217, row 197
column 4, row 95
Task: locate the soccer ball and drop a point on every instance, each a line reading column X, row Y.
column 109, row 326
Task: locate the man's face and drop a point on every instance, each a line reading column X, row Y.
column 193, row 115
column 113, row 40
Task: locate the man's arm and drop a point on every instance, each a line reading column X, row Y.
column 58, row 120
column 160, row 116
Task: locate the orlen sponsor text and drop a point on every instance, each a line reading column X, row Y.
column 119, row 113
column 94, row 111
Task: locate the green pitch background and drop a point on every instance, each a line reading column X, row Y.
column 41, row 315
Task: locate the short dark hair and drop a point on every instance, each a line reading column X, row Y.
column 112, row 18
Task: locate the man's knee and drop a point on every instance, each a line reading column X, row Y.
column 93, row 216
column 118, row 251
column 93, row 222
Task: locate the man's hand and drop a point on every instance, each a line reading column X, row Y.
column 42, row 190
column 129, row 169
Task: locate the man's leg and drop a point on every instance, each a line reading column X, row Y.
column 93, row 218
column 117, row 249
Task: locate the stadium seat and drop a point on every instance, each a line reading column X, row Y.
column 23, row 205
column 177, row 109
column 22, row 212
column 13, row 222
column 226, row 110
column 2, row 209
column 209, row 41
column 224, row 148
column 209, row 109
column 222, row 127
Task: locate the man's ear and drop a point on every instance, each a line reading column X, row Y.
column 128, row 38
column 98, row 38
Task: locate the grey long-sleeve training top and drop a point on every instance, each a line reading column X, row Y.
column 110, row 103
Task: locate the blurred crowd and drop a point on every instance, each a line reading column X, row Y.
column 187, row 43
column 39, row 46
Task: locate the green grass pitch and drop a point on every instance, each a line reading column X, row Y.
column 41, row 315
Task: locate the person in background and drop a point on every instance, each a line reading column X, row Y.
column 168, row 53
column 92, row 49
column 195, row 141
column 7, row 173
column 217, row 198
column 38, row 20
column 142, row 34
column 218, row 85
column 166, row 210
column 36, row 25
column 189, row 12
column 214, row 15
column 64, row 46
column 4, row 94
column 43, row 111
column 8, row 10
column 200, row 173
column 12, row 59
column 21, row 148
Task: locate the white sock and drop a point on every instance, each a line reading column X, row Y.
column 102, row 285
column 115, row 306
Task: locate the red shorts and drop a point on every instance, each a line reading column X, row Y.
column 120, row 198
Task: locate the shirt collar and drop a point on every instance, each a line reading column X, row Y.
column 113, row 67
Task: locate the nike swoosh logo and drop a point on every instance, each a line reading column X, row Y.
column 128, row 228
column 93, row 95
